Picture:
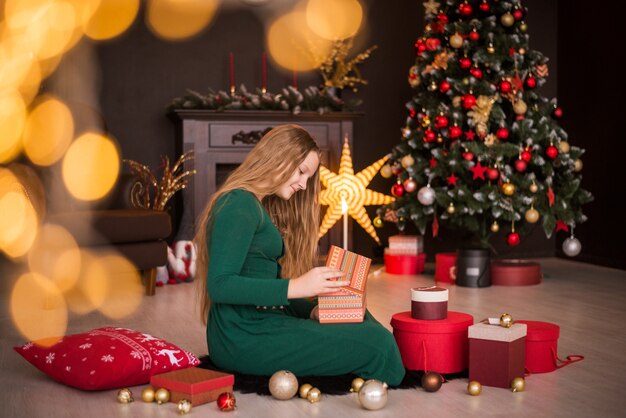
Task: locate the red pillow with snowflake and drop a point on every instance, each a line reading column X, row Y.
column 107, row 358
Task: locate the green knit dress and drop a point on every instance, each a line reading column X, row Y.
column 254, row 329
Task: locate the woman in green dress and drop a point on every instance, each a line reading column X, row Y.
column 257, row 243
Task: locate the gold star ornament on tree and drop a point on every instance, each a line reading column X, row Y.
column 351, row 190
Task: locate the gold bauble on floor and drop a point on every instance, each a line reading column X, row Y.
column 474, row 388
column 283, row 385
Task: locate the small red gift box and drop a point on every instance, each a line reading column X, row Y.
column 541, row 346
column 406, row 244
column 196, row 385
column 444, row 263
column 404, row 264
column 496, row 354
column 429, row 303
column 440, row 346
column 348, row 304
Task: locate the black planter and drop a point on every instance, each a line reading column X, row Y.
column 473, row 267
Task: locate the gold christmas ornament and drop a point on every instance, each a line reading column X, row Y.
column 450, row 208
column 506, row 320
column 425, row 121
column 490, row 48
column 352, row 189
column 532, row 215
column 508, row 189
column 385, row 171
column 564, row 147
column 432, row 381
column 523, row 27
column 490, row 139
column 407, row 161
column 378, row 222
column 414, row 77
column 406, row 132
column 519, row 107
column 432, row 86
column 304, row 390
column 440, row 62
column 518, row 384
column 533, row 188
column 373, row 394
column 578, row 165
column 147, row 395
column 456, row 41
column 184, row 407
column 340, row 73
column 480, row 113
column 474, row 388
column 495, row 227
column 314, row 395
column 125, row 396
column 162, row 395
column 431, row 6
column 507, row 19
column 522, row 51
column 356, row 385
column 283, row 385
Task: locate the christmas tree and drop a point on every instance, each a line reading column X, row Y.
column 482, row 149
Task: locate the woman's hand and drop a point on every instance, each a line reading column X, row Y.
column 315, row 282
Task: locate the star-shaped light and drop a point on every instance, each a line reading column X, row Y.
column 431, row 6
column 351, row 188
column 478, row 171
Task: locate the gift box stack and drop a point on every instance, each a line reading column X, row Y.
column 347, row 304
column 194, row 384
column 405, row 254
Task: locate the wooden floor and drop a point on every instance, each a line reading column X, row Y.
column 588, row 302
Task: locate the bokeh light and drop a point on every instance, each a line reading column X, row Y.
column 48, row 131
column 89, row 290
column 38, row 309
column 179, row 19
column 334, row 19
column 293, row 45
column 55, row 255
column 18, row 218
column 91, row 166
column 12, row 119
column 111, row 18
column 124, row 290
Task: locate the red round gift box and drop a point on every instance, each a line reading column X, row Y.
column 443, row 263
column 515, row 273
column 404, row 264
column 541, row 346
column 438, row 345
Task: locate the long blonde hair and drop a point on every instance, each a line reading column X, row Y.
column 266, row 168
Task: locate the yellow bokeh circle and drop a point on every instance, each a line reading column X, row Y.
column 179, row 19
column 12, row 119
column 111, row 18
column 334, row 19
column 91, row 166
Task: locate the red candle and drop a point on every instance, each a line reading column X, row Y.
column 264, row 72
column 295, row 79
column 232, row 71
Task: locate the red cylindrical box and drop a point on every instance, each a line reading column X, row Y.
column 440, row 345
column 541, row 346
column 429, row 303
column 515, row 273
column 443, row 263
column 404, row 264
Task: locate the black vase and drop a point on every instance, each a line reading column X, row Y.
column 473, row 267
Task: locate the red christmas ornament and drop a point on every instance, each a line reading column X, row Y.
column 442, row 17
column 397, row 190
column 558, row 112
column 493, row 173
column 454, row 132
column 520, row 165
column 412, row 113
column 396, row 169
column 469, row 135
column 465, row 63
column 452, row 180
column 561, row 226
column 226, row 402
column 513, row 239
column 433, row 163
column 433, row 44
column 505, row 87
column 552, row 152
column 476, row 72
column 474, row 36
column 468, row 156
column 465, row 9
column 468, row 101
column 526, row 156
column 531, row 82
column 420, row 47
column 444, row 86
column 441, row 121
column 484, row 6
column 518, row 14
column 429, row 135
column 478, row 171
column 502, row 133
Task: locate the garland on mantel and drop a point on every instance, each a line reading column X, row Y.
column 291, row 99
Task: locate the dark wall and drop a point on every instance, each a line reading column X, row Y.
column 591, row 92
column 142, row 74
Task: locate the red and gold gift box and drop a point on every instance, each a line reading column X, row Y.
column 347, row 304
column 429, row 303
column 196, row 385
column 406, row 244
column 496, row 354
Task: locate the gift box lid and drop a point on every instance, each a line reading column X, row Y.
column 482, row 331
column 455, row 322
column 540, row 331
column 429, row 294
column 356, row 266
column 192, row 380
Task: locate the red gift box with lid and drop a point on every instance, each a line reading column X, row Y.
column 496, row 354
column 429, row 303
column 542, row 347
column 194, row 384
column 439, row 345
column 444, row 264
column 403, row 263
